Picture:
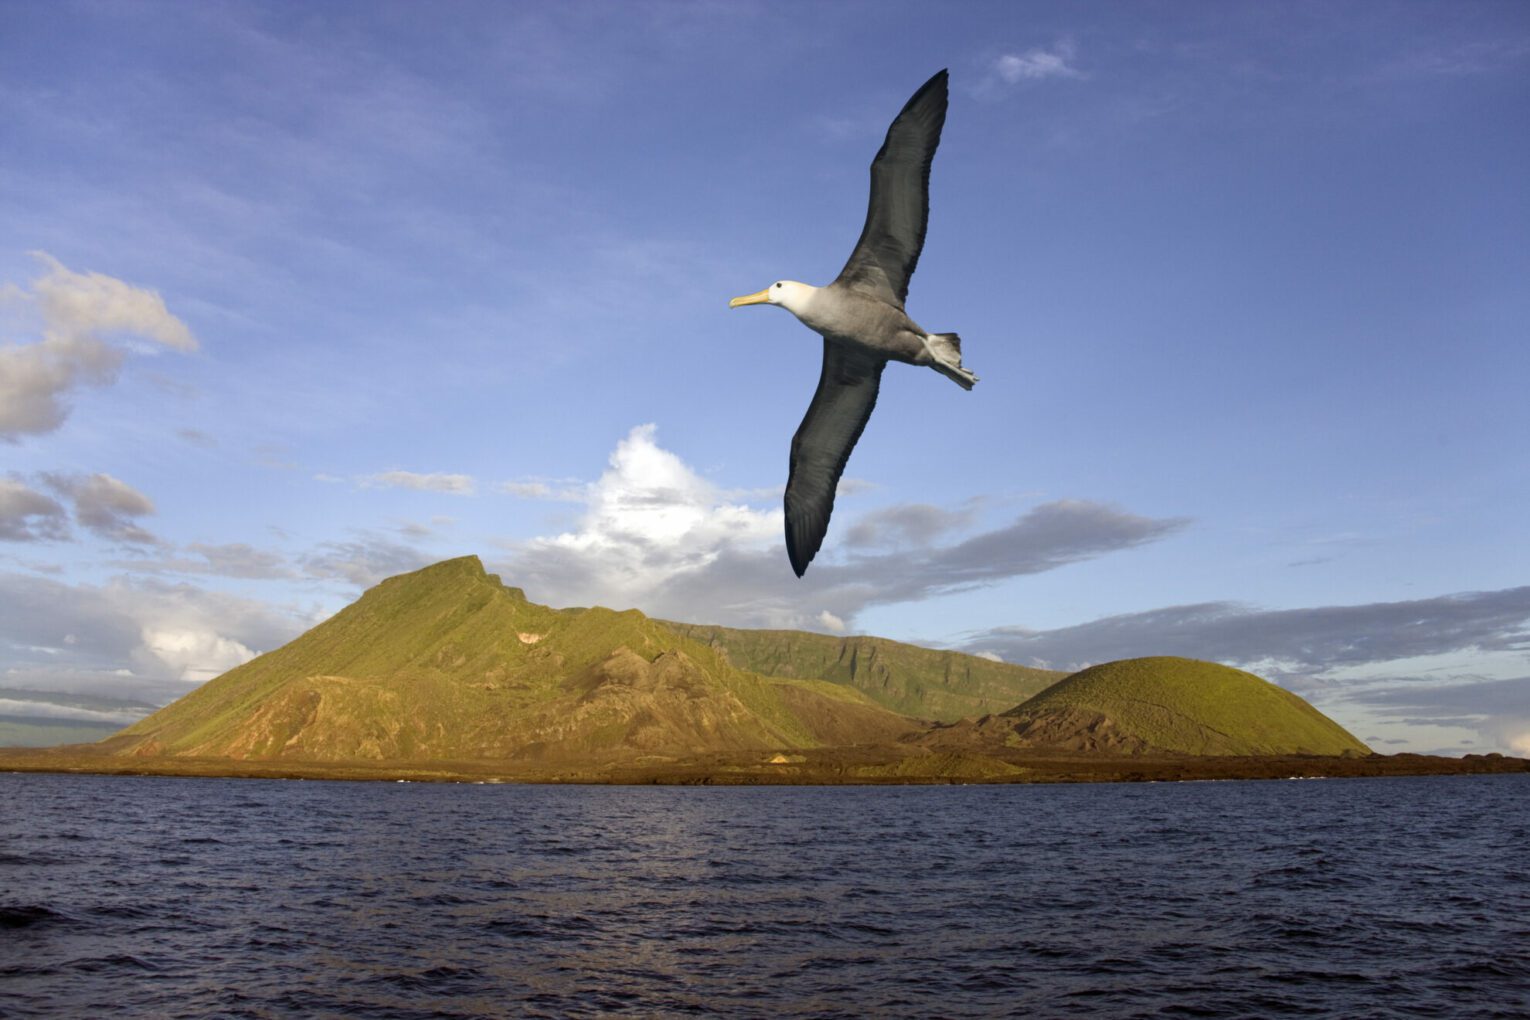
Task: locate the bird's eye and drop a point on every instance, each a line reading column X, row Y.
column 778, row 286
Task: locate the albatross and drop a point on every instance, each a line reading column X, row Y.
column 861, row 318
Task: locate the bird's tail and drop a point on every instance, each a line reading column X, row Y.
column 946, row 354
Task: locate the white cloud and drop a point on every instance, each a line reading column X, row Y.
column 90, row 304
column 831, row 622
column 195, row 653
column 42, row 708
column 648, row 518
column 130, row 638
column 80, row 313
column 460, row 485
column 1519, row 740
column 1036, row 64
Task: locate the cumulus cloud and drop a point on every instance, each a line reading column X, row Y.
column 1037, row 64
column 106, row 506
column 27, row 515
column 84, row 316
column 648, row 517
column 831, row 622
column 660, row 537
column 130, row 638
column 460, row 485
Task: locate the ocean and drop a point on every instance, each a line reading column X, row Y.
column 167, row 897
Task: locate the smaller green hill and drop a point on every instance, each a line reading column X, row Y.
column 1164, row 703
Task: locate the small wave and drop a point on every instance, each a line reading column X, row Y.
column 440, row 900
column 31, row 916
column 130, row 911
column 446, row 980
column 117, row 961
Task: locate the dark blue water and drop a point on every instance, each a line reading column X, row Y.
column 148, row 897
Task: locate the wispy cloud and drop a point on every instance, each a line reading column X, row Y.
column 85, row 317
column 106, row 506
column 906, row 524
column 1313, row 640
column 27, row 515
column 363, row 562
column 562, row 490
column 1482, row 56
column 1037, row 64
column 459, row 485
column 1358, row 655
column 1498, row 709
column 234, row 559
column 197, row 437
column 27, row 704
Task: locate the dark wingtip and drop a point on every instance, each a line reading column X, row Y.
column 799, row 565
column 937, row 80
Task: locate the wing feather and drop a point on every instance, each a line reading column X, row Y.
column 847, row 392
column 899, row 208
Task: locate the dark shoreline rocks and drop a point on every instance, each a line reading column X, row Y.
column 842, row 766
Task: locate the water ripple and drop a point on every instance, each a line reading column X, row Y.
column 242, row 898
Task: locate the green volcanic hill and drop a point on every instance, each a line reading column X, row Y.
column 910, row 680
column 446, row 663
column 1171, row 704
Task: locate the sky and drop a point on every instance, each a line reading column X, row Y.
column 297, row 297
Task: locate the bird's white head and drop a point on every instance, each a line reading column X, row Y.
column 789, row 294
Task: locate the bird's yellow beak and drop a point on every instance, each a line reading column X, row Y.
column 751, row 299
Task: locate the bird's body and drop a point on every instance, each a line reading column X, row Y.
column 846, row 316
column 861, row 318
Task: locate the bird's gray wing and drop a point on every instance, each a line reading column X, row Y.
column 847, row 391
column 885, row 256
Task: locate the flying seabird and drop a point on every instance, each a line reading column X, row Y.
column 861, row 318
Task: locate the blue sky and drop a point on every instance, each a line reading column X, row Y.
column 293, row 298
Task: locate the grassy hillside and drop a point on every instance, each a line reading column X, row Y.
column 907, row 679
column 1185, row 705
column 447, row 663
